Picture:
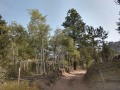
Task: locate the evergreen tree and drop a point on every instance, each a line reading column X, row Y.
column 73, row 24
column 106, row 53
column 118, row 23
column 4, row 41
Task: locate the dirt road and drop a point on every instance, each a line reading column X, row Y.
column 72, row 81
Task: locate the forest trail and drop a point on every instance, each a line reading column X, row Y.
column 72, row 81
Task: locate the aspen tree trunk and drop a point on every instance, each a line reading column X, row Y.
column 25, row 62
column 63, row 61
column 27, row 65
column 42, row 58
column 13, row 55
column 54, row 60
column 36, row 58
column 36, row 67
column 67, row 59
column 19, row 75
column 41, row 62
column 44, row 68
column 24, row 65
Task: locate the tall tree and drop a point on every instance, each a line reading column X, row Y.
column 38, row 32
column 106, row 53
column 4, row 40
column 55, row 47
column 17, row 36
column 118, row 23
column 102, row 34
column 96, row 39
column 74, row 27
column 73, row 24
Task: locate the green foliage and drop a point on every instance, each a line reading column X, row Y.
column 118, row 23
column 118, row 29
column 18, row 40
column 73, row 24
column 77, row 43
column 2, row 75
column 86, row 57
column 95, row 39
column 4, row 41
column 12, row 72
column 37, row 26
column 107, row 53
column 38, row 31
column 56, row 40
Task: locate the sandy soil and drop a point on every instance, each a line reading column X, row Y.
column 72, row 81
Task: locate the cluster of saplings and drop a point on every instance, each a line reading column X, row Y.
column 36, row 52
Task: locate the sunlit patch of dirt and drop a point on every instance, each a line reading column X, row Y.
column 71, row 81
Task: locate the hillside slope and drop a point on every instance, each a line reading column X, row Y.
column 104, row 76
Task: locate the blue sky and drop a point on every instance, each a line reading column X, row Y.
column 93, row 12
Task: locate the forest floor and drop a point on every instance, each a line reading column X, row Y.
column 71, row 81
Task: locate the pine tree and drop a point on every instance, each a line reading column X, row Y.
column 4, row 41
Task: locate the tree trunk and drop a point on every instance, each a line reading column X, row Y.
column 19, row 75
column 44, row 66
column 13, row 55
column 41, row 62
column 75, row 65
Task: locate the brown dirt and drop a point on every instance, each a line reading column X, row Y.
column 71, row 81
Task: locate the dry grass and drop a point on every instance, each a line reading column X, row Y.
column 110, row 73
column 12, row 85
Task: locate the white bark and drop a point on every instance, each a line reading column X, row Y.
column 19, row 75
column 13, row 54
